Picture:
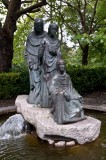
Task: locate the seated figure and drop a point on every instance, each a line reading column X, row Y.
column 64, row 99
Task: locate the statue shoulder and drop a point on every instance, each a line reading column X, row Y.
column 30, row 35
column 68, row 77
column 45, row 41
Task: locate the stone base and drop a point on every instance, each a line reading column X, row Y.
column 80, row 132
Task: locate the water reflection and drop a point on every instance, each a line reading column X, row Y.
column 30, row 148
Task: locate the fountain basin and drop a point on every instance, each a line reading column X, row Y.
column 47, row 129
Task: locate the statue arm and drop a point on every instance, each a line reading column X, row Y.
column 28, row 60
column 59, row 54
column 77, row 95
column 26, row 53
column 59, row 51
column 68, row 92
column 41, row 49
column 53, row 87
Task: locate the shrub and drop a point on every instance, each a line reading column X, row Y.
column 84, row 80
column 13, row 84
column 88, row 79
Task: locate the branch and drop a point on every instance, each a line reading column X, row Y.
column 92, row 19
column 5, row 2
column 98, row 24
column 82, row 15
column 66, row 24
column 85, row 4
column 47, row 12
column 80, row 44
column 31, row 8
column 35, row 10
column 68, row 4
column 30, row 17
column 78, row 9
column 26, row 2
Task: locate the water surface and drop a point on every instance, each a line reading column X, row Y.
column 28, row 147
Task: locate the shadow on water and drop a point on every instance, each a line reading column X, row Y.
column 28, row 147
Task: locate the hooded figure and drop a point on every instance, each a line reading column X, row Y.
column 33, row 59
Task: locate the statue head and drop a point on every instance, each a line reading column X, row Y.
column 61, row 66
column 38, row 26
column 53, row 29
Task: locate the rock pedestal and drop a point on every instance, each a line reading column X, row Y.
column 47, row 129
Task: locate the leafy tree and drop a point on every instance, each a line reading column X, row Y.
column 14, row 9
column 20, row 37
column 82, row 20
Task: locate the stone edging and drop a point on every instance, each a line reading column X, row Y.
column 6, row 110
column 101, row 108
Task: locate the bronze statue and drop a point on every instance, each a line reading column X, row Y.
column 50, row 51
column 33, row 59
column 65, row 100
column 50, row 85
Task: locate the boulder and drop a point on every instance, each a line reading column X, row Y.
column 47, row 129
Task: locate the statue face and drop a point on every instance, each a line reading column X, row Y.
column 38, row 26
column 53, row 29
column 61, row 67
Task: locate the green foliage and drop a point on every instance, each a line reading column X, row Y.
column 13, row 84
column 19, row 41
column 84, row 80
column 88, row 79
column 71, row 57
column 84, row 23
column 97, row 51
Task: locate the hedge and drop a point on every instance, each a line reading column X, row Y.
column 13, row 84
column 88, row 79
column 84, row 80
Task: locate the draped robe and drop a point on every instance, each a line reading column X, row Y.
column 50, row 51
column 65, row 111
column 33, row 59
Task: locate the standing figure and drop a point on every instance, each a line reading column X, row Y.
column 50, row 53
column 65, row 100
column 33, row 59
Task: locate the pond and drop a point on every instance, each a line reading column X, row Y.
column 28, row 147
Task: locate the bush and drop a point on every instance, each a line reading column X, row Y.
column 13, row 84
column 84, row 80
column 88, row 79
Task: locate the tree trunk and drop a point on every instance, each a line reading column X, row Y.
column 85, row 54
column 7, row 36
column 6, row 44
column 9, row 27
column 6, row 51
